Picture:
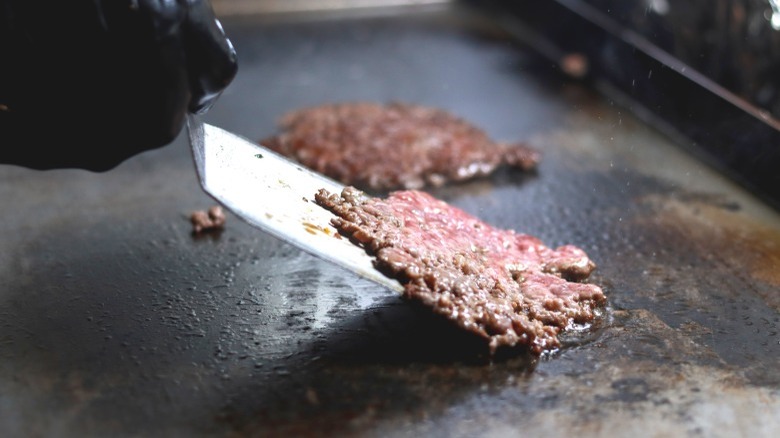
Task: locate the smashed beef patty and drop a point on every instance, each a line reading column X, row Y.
column 377, row 147
column 506, row 287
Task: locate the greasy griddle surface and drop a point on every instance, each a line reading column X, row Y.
column 115, row 320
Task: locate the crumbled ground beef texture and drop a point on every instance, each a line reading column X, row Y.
column 207, row 221
column 378, row 147
column 506, row 287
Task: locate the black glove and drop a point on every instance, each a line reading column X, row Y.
column 89, row 83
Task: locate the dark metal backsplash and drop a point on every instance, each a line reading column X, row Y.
column 705, row 71
column 736, row 43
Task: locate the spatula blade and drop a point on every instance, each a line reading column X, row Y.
column 276, row 195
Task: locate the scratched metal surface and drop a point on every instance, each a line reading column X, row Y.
column 114, row 320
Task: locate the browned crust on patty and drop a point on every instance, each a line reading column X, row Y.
column 374, row 146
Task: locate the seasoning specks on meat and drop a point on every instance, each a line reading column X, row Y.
column 506, row 287
column 375, row 146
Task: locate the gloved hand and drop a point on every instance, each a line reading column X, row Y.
column 89, row 83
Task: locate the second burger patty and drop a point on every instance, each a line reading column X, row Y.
column 379, row 147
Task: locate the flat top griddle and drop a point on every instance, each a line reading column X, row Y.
column 116, row 321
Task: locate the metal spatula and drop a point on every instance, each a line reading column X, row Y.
column 275, row 195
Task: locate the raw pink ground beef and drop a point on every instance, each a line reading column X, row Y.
column 508, row 288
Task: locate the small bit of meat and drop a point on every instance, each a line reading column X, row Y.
column 378, row 147
column 203, row 222
column 506, row 287
column 575, row 65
